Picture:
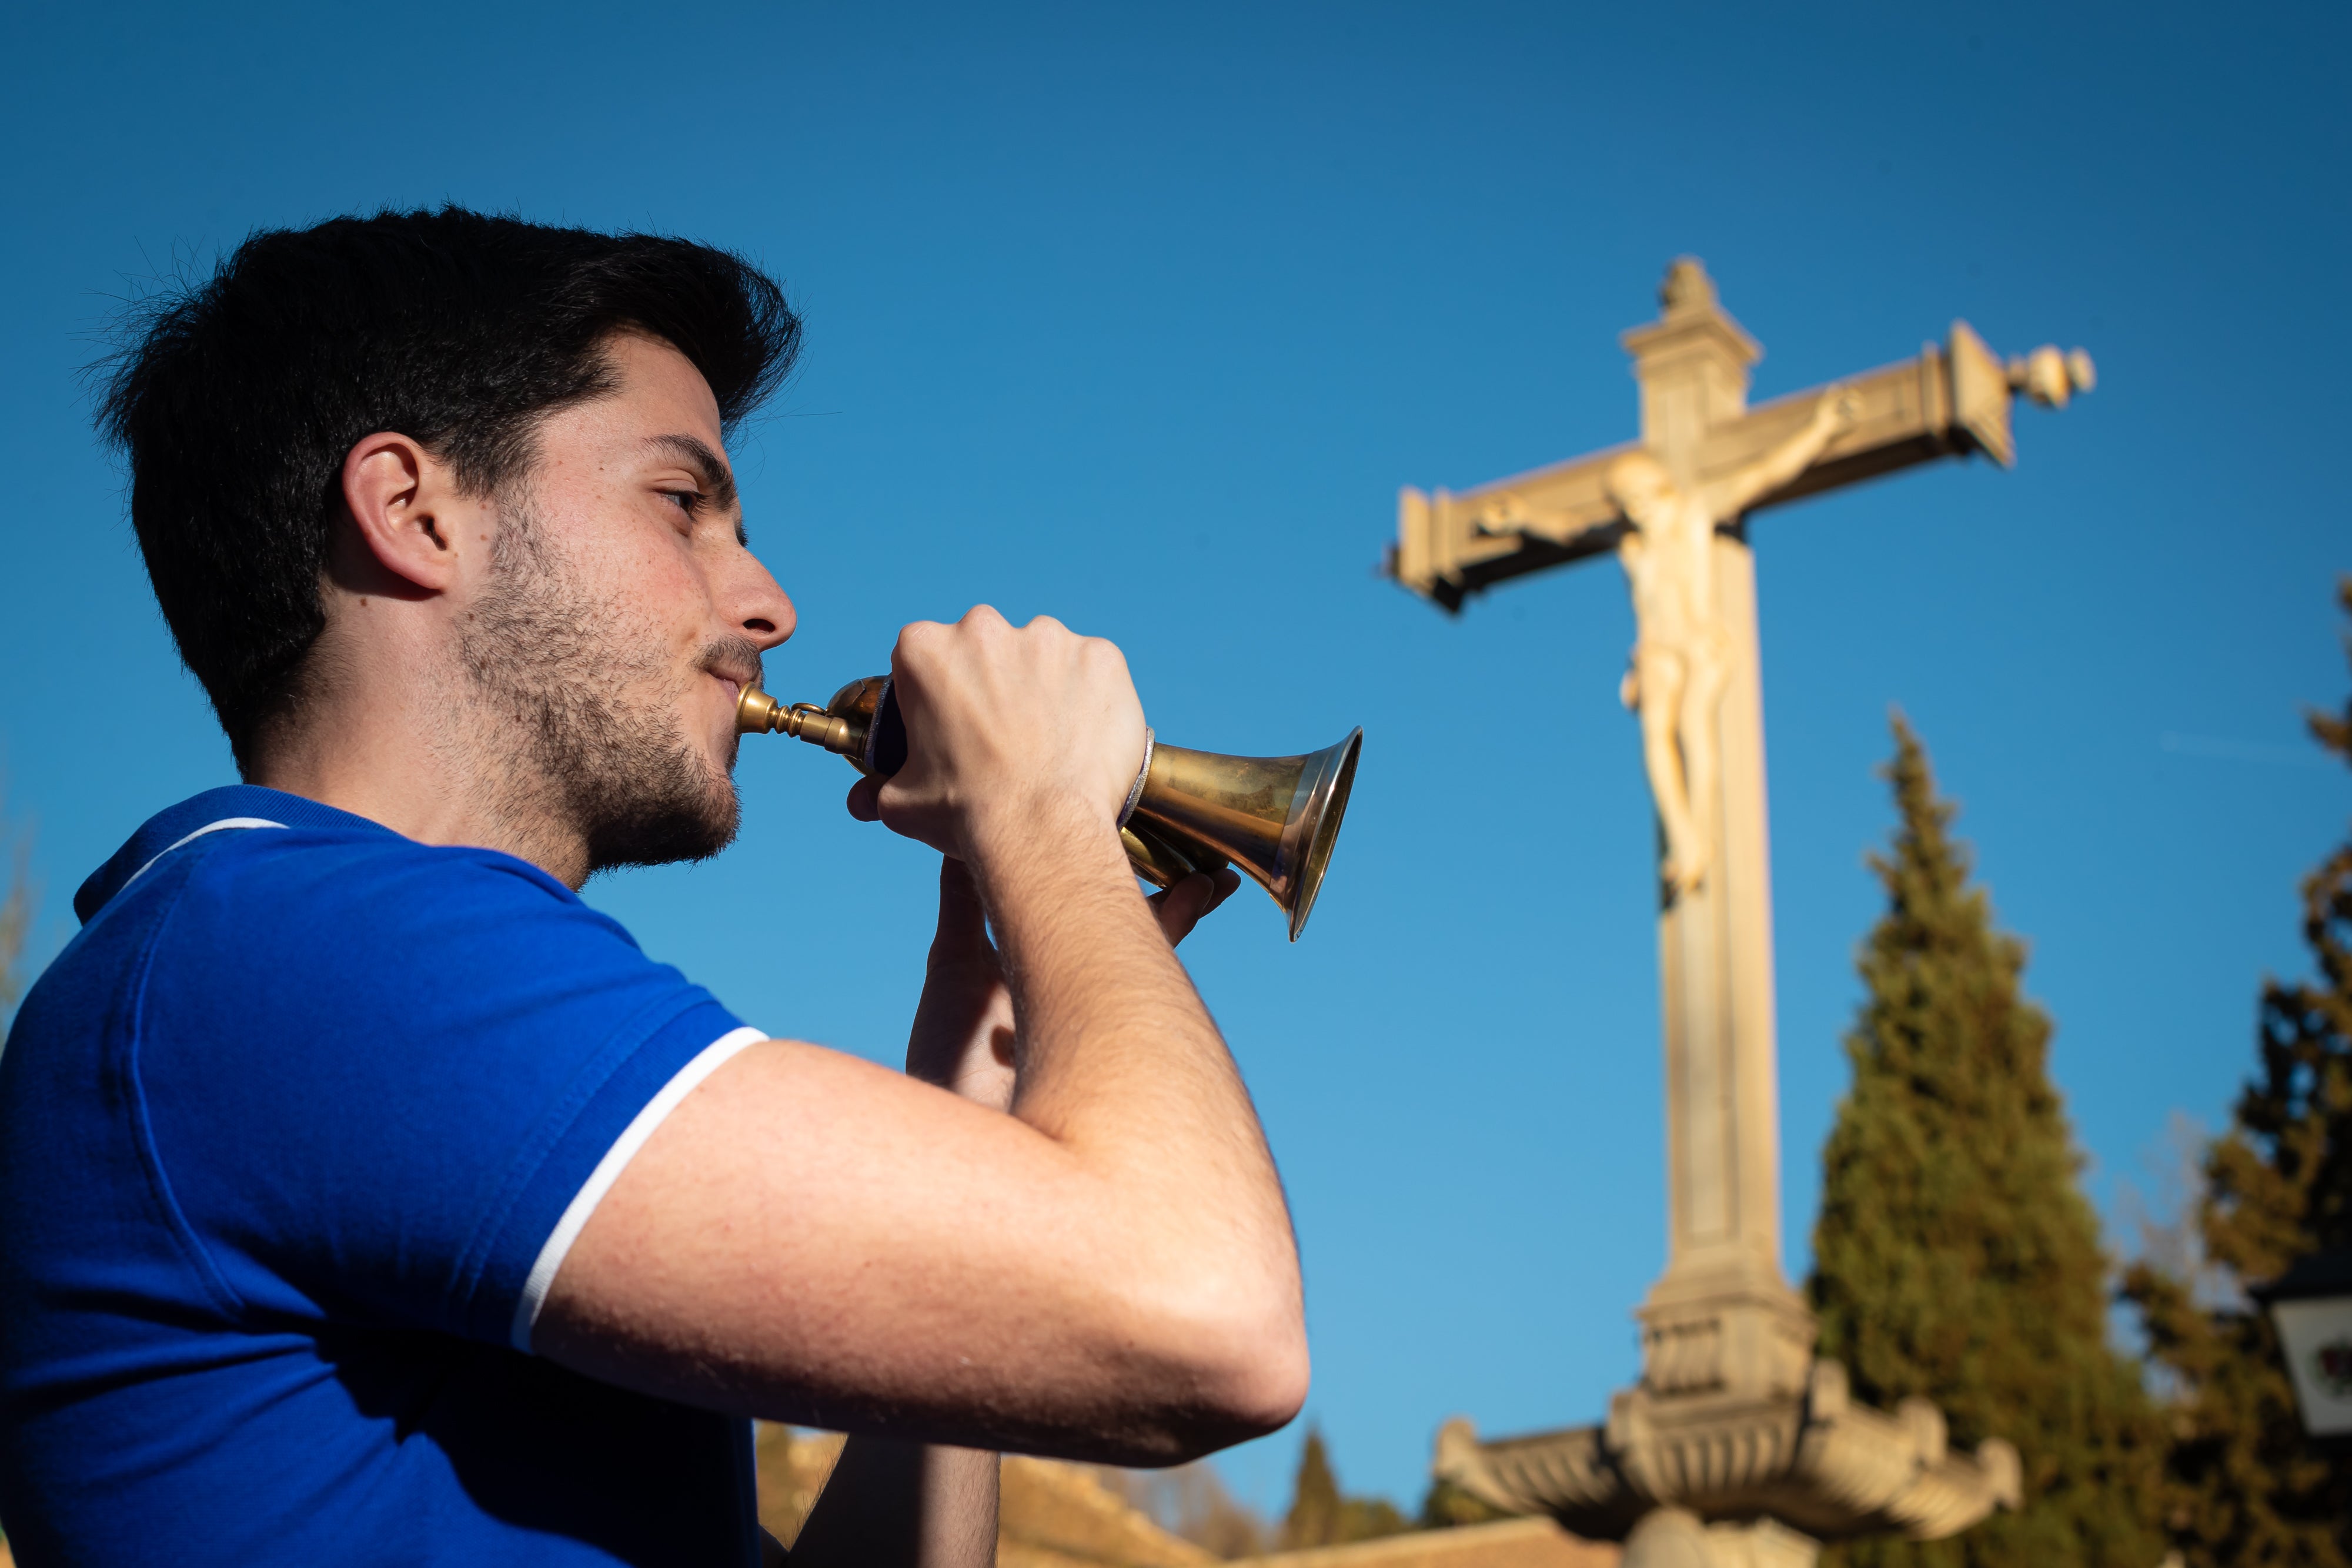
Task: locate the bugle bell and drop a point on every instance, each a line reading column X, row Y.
column 1275, row 818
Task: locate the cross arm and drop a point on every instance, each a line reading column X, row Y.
column 1950, row 401
column 1953, row 399
column 1451, row 545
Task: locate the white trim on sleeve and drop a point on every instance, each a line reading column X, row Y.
column 709, row 1060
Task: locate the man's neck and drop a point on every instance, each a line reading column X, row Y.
column 430, row 766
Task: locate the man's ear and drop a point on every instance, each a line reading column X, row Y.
column 401, row 498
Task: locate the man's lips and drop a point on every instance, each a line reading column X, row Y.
column 734, row 677
column 738, row 672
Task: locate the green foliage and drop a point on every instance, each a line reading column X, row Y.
column 1370, row 1517
column 15, row 917
column 15, row 925
column 1320, row 1515
column 1446, row 1505
column 1954, row 1257
column 1314, row 1516
column 2245, row 1485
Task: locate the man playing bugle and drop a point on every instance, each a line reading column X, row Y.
column 365, row 1198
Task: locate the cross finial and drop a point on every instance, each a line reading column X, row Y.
column 1687, row 287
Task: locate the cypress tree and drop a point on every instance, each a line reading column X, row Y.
column 2244, row 1485
column 1314, row 1516
column 15, row 917
column 1954, row 1257
column 1320, row 1516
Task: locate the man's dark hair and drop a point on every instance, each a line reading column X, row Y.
column 237, row 399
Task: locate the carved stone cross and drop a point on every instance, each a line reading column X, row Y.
column 1733, row 1419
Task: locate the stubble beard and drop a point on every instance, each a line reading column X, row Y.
column 586, row 712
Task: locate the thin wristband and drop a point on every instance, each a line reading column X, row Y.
column 1135, row 790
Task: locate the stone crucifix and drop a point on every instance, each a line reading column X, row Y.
column 1682, row 656
column 1735, row 1432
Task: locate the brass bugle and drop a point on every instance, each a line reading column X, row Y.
column 1275, row 818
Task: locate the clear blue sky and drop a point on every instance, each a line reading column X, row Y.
column 1139, row 316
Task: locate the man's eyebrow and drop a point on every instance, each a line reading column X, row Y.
column 718, row 484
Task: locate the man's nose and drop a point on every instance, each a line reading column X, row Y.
column 758, row 606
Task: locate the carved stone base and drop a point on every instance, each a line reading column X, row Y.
column 1674, row 1538
column 1814, row 1461
column 1731, row 1326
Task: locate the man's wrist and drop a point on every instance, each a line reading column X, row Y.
column 1012, row 830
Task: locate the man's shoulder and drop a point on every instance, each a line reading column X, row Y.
column 269, row 944
column 236, row 893
column 338, row 900
column 263, row 872
column 268, row 855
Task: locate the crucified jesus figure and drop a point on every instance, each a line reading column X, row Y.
column 1681, row 653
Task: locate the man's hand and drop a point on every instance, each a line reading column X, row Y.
column 1009, row 732
column 963, row 1038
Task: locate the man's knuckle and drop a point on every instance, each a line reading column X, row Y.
column 1104, row 656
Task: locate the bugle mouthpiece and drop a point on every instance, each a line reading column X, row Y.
column 841, row 732
column 756, row 711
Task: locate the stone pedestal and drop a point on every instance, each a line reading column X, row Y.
column 1814, row 1463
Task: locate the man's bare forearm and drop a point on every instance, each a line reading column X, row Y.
column 925, row 1506
column 1111, row 1029
column 1120, row 1062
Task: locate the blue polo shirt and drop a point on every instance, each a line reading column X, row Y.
column 293, row 1137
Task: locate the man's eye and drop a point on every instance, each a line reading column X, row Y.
column 688, row 501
